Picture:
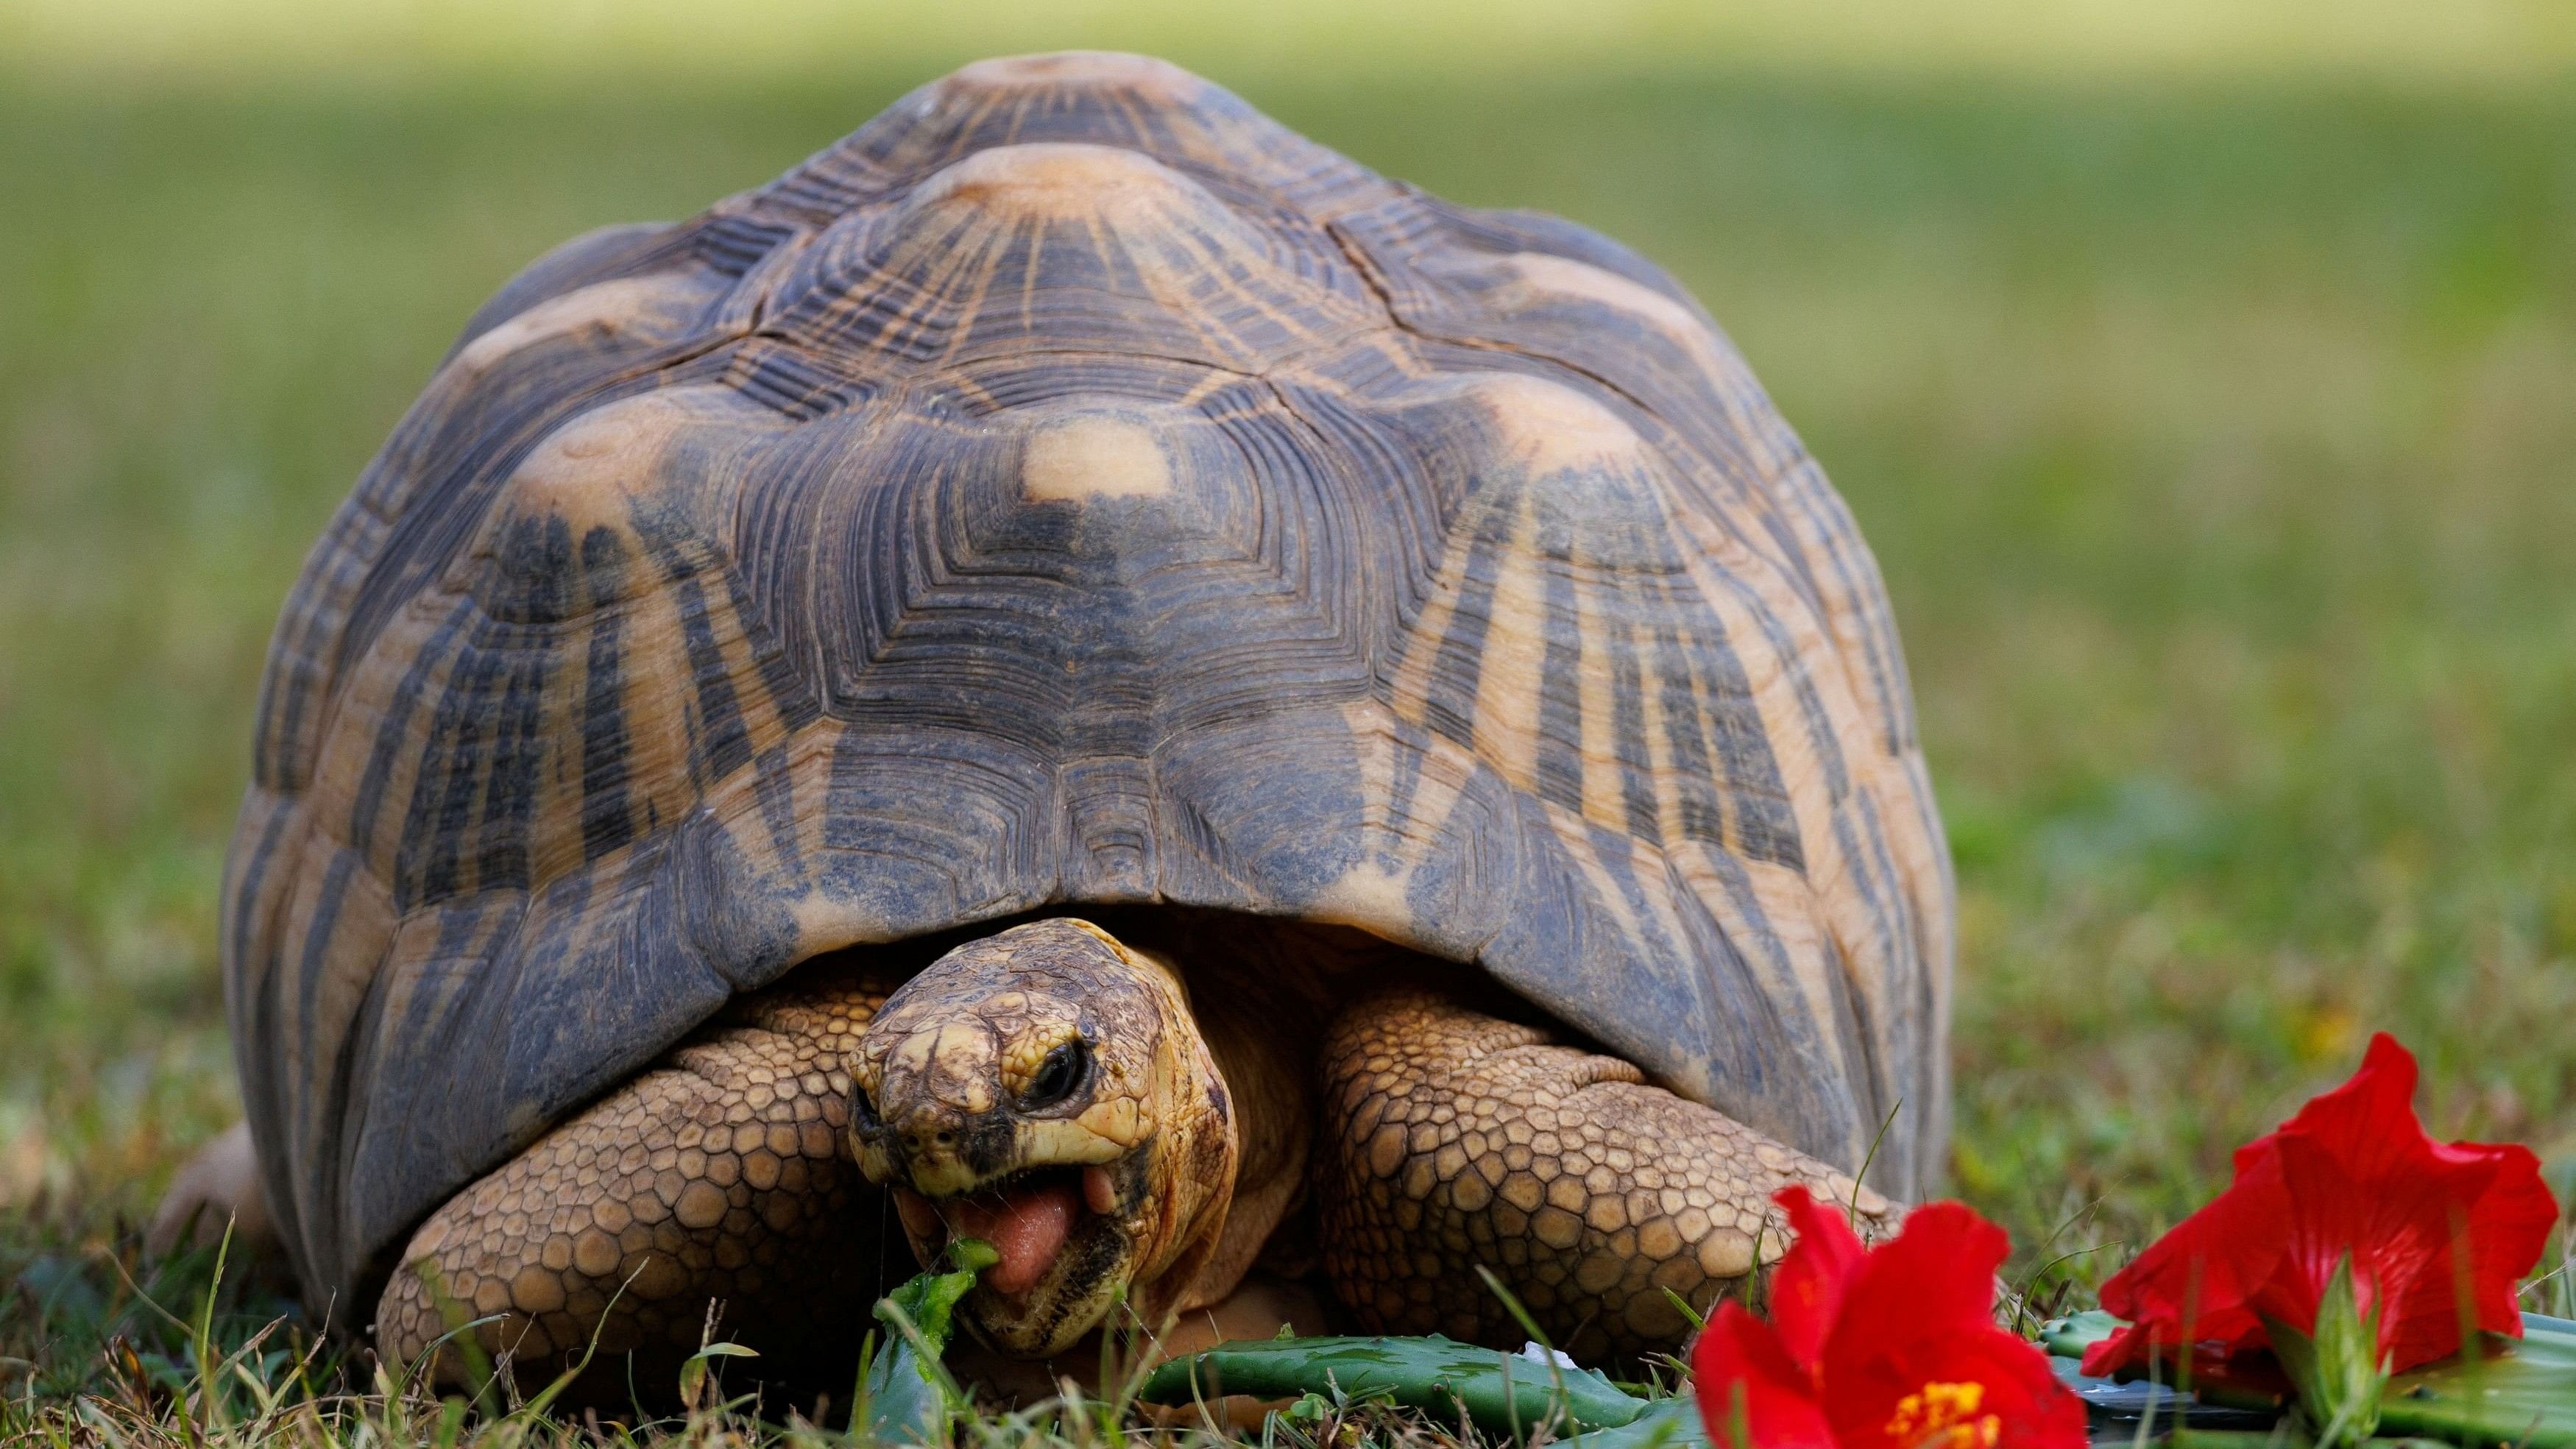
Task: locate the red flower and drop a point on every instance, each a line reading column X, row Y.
column 1893, row 1347
column 2354, row 1174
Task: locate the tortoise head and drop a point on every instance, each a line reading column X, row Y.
column 1047, row 1090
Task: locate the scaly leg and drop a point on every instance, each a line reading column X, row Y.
column 718, row 1174
column 1453, row 1139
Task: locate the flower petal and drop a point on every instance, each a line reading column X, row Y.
column 2129, row 1344
column 1937, row 1273
column 1975, row 1388
column 2206, row 1269
column 2509, row 1228
column 1739, row 1360
column 2358, row 1119
column 2500, row 1228
column 2352, row 1175
column 1808, row 1288
column 2366, row 1181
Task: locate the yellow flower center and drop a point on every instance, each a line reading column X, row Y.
column 1944, row 1416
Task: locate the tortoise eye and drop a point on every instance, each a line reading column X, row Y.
column 863, row 1113
column 1058, row 1077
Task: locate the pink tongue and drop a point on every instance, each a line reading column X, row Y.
column 1027, row 1228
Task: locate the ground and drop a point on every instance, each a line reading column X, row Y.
column 2205, row 396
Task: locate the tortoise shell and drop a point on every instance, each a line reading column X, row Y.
column 1072, row 488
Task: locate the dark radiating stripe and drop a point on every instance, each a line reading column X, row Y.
column 1861, row 836
column 733, row 245
column 1408, row 750
column 1559, row 760
column 1866, row 1033
column 295, row 674
column 1457, row 663
column 776, row 790
column 783, row 377
column 482, row 762
column 606, row 821
column 445, row 507
column 1685, row 743
column 267, row 1097
column 394, row 730
column 431, row 1006
column 283, row 688
column 1795, row 567
column 1759, row 1039
column 450, row 768
column 1393, row 484
column 1777, row 1029
column 1628, row 734
column 719, row 737
column 1750, row 914
column 795, row 702
column 392, row 735
column 319, row 928
column 252, row 986
column 1889, row 909
column 538, row 579
column 510, row 786
column 335, row 1141
column 1848, row 558
column 723, row 742
column 1615, row 853
column 242, row 928
column 1765, row 827
column 531, row 583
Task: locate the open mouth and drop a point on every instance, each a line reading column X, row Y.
column 1028, row 1216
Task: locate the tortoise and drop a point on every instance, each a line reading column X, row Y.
column 1081, row 668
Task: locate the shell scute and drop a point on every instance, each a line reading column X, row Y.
column 1042, row 247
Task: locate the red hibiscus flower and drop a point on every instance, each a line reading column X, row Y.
column 2353, row 1175
column 1895, row 1346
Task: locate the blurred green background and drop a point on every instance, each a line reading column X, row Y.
column 2204, row 375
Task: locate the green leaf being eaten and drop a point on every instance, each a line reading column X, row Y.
column 907, row 1396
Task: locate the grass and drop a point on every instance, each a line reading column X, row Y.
column 2210, row 417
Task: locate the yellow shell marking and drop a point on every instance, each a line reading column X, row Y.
column 1094, row 456
column 1053, row 179
column 1546, row 426
column 610, row 307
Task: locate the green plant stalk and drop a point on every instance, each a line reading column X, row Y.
column 1430, row 1373
column 2338, row 1369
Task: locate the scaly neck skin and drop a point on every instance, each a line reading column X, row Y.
column 1258, row 1039
column 1196, row 1166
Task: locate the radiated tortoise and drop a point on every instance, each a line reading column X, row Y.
column 1086, row 670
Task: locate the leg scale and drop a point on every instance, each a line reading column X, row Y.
column 717, row 1175
column 1453, row 1139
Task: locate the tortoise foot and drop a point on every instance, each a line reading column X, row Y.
column 1454, row 1140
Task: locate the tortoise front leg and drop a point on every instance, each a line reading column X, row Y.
column 717, row 1175
column 1454, row 1139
